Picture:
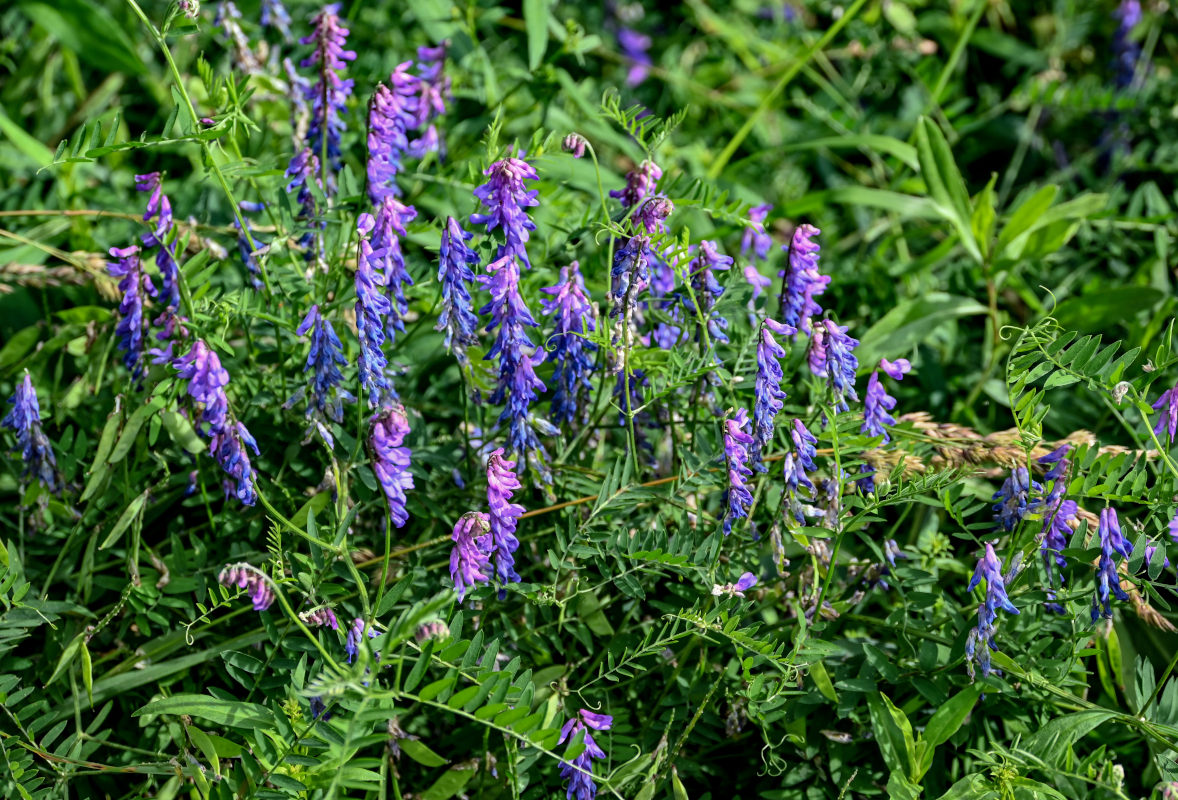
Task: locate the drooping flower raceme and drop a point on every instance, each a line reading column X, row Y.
column 125, row 266
column 372, row 307
column 737, row 441
column 159, row 208
column 457, row 317
column 579, row 772
column 389, row 261
column 640, row 182
column 356, row 634
column 391, row 114
column 391, row 459
column 329, row 97
column 326, row 397
column 518, row 385
column 24, row 419
column 506, row 196
column 470, row 558
column 228, row 439
column 501, row 484
column 980, row 641
column 1112, row 545
column 769, row 396
column 303, row 172
column 802, row 280
column 878, row 402
column 575, row 145
column 832, row 356
column 255, row 582
column 707, row 289
column 1011, row 505
column 574, row 316
column 433, row 90
column 321, row 617
column 1168, row 420
column 795, row 466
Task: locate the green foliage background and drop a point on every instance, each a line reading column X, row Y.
column 991, row 208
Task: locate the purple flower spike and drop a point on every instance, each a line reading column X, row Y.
column 518, row 385
column 630, row 273
column 390, row 459
column 501, row 484
column 457, row 317
column 372, row 307
column 574, row 316
column 579, row 772
column 1112, row 545
column 640, row 182
column 575, row 144
column 433, row 90
column 832, row 356
column 1168, row 405
column 770, row 397
column 876, row 406
column 356, row 635
column 980, row 641
column 1011, row 505
column 24, row 419
column 803, row 281
column 755, row 238
column 506, row 196
column 796, row 464
column 652, row 213
column 707, row 289
column 228, row 439
column 1126, row 51
column 303, row 172
column 159, row 207
column 1057, row 527
column 635, row 47
column 252, row 580
column 388, row 260
column 321, row 617
column 329, row 99
column 130, row 328
column 327, row 396
column 896, row 370
column 470, row 559
column 736, row 453
column 391, row 114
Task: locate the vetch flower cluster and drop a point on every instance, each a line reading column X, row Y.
column 769, row 396
column 457, row 317
column 795, row 467
column 640, row 182
column 372, row 307
column 802, row 281
column 252, row 580
column 707, row 290
column 980, row 641
column 574, row 316
column 1011, row 505
column 228, row 439
column 303, row 172
column 878, row 402
column 24, row 419
column 832, row 356
column 329, row 97
column 737, row 441
column 579, row 772
column 1112, row 545
column 326, row 397
column 126, row 267
column 391, row 459
column 501, row 484
column 391, row 114
column 356, row 634
column 387, row 259
column 470, row 558
column 506, row 196
column 1168, row 420
column 160, row 208
column 321, row 617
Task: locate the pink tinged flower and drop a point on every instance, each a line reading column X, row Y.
column 896, row 370
column 391, row 459
column 575, row 144
column 252, row 580
column 322, row 617
column 470, row 558
column 640, row 182
column 504, row 515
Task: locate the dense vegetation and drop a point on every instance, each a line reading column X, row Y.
column 439, row 399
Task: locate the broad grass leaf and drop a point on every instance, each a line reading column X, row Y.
column 222, row 712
